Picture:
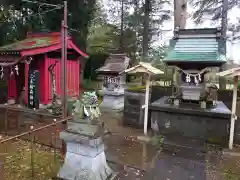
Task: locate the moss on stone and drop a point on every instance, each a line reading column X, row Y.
column 137, row 88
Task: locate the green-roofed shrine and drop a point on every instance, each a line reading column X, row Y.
column 193, row 110
column 192, row 52
column 196, row 48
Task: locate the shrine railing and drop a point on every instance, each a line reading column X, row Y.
column 16, row 120
column 32, row 154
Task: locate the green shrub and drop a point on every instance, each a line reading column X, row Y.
column 94, row 62
column 157, row 140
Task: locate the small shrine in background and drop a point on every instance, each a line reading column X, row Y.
column 114, row 81
column 193, row 109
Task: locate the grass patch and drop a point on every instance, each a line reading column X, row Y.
column 157, row 140
column 229, row 174
column 17, row 162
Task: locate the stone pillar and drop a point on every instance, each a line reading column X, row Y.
column 85, row 156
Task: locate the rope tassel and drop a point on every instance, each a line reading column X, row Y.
column 16, row 69
column 2, row 73
column 11, row 72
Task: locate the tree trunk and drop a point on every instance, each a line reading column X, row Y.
column 121, row 35
column 146, row 29
column 137, row 27
column 180, row 18
column 222, row 80
column 180, row 13
column 224, row 18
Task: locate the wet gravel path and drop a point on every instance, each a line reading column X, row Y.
column 187, row 164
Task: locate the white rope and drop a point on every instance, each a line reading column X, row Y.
column 197, row 76
column 193, row 75
column 2, row 73
column 16, row 69
column 11, row 72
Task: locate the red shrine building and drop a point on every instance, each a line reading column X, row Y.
column 37, row 52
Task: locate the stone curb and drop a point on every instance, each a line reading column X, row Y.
column 231, row 153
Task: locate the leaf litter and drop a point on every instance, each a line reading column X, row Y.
column 16, row 157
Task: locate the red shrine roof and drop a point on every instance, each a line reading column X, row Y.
column 39, row 43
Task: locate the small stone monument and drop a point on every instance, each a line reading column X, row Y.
column 85, row 157
column 114, row 81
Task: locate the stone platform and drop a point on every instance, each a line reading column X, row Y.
column 112, row 100
column 190, row 121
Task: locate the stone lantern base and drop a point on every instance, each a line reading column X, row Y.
column 85, row 157
column 112, row 100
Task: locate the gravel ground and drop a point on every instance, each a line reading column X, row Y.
column 122, row 149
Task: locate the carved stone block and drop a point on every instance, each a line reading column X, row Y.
column 113, row 101
column 176, row 102
column 85, row 156
column 78, row 167
column 85, row 127
column 203, row 104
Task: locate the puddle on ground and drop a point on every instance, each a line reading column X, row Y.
column 123, row 150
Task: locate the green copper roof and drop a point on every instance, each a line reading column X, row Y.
column 30, row 43
column 196, row 49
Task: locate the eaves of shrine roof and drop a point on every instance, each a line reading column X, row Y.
column 115, row 63
column 112, row 67
column 38, row 43
column 197, row 45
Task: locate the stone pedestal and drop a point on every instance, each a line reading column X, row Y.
column 203, row 104
column 189, row 121
column 113, row 93
column 112, row 100
column 176, row 102
column 85, row 157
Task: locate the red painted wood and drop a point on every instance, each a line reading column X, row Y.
column 12, row 92
column 54, row 47
column 72, row 79
column 26, row 82
column 46, row 94
column 45, row 85
column 41, row 67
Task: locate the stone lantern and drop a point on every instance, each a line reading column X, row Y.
column 85, row 158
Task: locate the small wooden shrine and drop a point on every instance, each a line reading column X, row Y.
column 193, row 111
column 113, row 66
column 193, row 52
column 28, row 61
column 114, row 81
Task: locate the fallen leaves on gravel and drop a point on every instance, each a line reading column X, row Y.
column 18, row 164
